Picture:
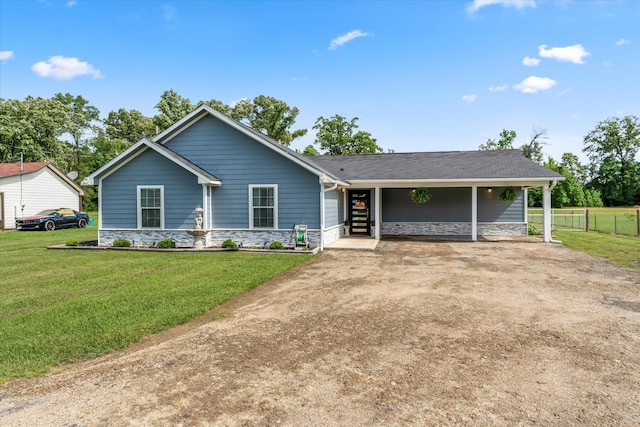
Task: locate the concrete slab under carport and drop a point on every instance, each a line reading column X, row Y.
column 364, row 243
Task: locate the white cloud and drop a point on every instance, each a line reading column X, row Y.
column 476, row 5
column 62, row 68
column 5, row 55
column 346, row 38
column 169, row 12
column 469, row 98
column 622, row 41
column 530, row 62
column 71, row 3
column 533, row 84
column 574, row 53
column 498, row 88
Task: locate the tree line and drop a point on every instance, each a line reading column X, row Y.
column 612, row 176
column 70, row 132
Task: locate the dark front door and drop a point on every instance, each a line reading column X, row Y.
column 360, row 216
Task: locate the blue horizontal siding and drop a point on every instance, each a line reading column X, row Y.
column 446, row 205
column 182, row 193
column 451, row 205
column 492, row 209
column 332, row 208
column 238, row 161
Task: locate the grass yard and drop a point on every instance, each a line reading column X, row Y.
column 622, row 250
column 606, row 220
column 61, row 305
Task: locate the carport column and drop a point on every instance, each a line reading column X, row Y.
column 378, row 207
column 546, row 212
column 474, row 213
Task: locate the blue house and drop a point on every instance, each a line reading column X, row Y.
column 241, row 185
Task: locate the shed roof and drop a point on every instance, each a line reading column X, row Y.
column 10, row 169
column 15, row 169
column 440, row 166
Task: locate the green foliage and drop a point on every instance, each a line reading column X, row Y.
column 127, row 126
column 508, row 194
column 335, row 136
column 86, row 303
column 420, row 196
column 310, row 150
column 172, row 108
column 229, row 244
column 166, row 244
column 276, row 245
column 121, row 243
column 72, row 242
column 613, row 148
column 272, row 117
column 532, row 230
column 505, row 142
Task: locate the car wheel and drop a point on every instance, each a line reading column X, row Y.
column 82, row 223
column 49, row 225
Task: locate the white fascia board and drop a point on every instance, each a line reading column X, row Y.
column 203, row 110
column 481, row 182
column 90, row 180
column 141, row 146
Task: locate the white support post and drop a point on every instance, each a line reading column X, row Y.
column 474, row 213
column 378, row 207
column 546, row 213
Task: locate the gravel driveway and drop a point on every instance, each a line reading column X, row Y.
column 415, row 333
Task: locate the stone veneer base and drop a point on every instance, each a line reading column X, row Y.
column 451, row 229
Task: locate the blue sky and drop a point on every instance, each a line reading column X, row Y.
column 420, row 75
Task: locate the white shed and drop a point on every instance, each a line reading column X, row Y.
column 28, row 188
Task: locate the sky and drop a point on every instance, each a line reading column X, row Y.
column 419, row 75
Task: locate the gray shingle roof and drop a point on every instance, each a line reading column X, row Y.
column 449, row 165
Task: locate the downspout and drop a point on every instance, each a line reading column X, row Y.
column 323, row 190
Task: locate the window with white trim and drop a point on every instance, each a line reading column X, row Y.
column 151, row 206
column 263, row 206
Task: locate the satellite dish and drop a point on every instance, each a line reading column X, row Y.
column 73, row 174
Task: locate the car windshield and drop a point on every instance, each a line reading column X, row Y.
column 47, row 212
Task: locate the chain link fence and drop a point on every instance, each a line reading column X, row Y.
column 614, row 221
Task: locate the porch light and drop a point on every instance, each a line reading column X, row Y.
column 489, row 190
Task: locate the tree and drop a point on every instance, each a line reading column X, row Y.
column 504, row 143
column 533, row 150
column 270, row 116
column 172, row 108
column 336, row 136
column 129, row 125
column 310, row 150
column 612, row 148
column 29, row 130
column 82, row 119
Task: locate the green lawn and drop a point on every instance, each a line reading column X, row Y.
column 622, row 250
column 606, row 220
column 61, row 305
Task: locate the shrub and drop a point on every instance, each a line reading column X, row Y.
column 276, row 245
column 420, row 196
column 166, row 244
column 229, row 244
column 532, row 230
column 121, row 243
column 73, row 242
column 508, row 194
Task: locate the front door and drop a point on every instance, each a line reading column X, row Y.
column 360, row 216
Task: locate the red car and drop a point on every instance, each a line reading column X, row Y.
column 50, row 219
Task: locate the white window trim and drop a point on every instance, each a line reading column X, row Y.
column 138, row 191
column 275, row 206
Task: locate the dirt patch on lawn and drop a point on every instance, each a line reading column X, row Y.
column 415, row 333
